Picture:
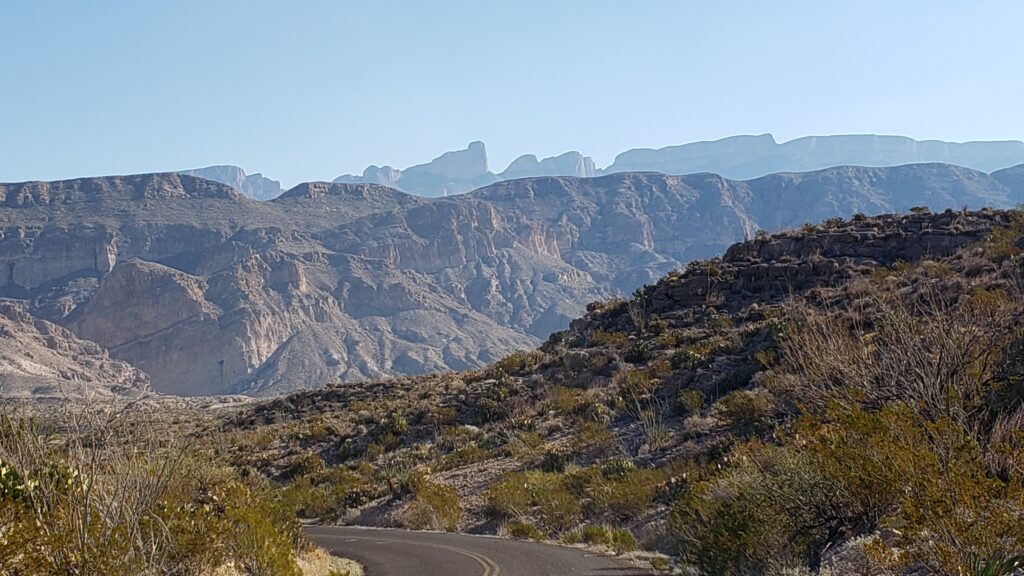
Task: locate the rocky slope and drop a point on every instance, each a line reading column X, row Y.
column 41, row 360
column 255, row 186
column 210, row 292
column 672, row 416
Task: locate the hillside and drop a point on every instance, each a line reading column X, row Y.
column 210, row 292
column 842, row 399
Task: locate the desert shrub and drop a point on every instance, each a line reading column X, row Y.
column 639, row 397
column 555, row 461
column 394, row 424
column 938, row 355
column 1003, row 243
column 720, row 322
column 562, row 400
column 609, row 306
column 326, row 495
column 258, row 545
column 303, row 464
column 519, row 363
column 616, row 340
column 443, row 416
column 689, row 401
column 739, row 378
column 738, row 522
column 395, row 472
column 110, row 489
column 747, row 411
column 618, row 539
column 638, row 308
column 452, row 438
column 686, row 359
column 618, row 468
column 488, row 410
column 594, row 436
column 469, row 454
column 622, row 498
column 538, row 495
column 434, row 506
column 638, row 352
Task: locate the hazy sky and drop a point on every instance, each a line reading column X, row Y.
column 310, row 89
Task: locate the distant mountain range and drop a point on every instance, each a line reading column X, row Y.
column 737, row 157
column 255, row 186
column 204, row 291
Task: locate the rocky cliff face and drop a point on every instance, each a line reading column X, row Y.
column 208, row 291
column 255, row 186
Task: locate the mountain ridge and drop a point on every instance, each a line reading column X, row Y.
column 360, row 281
column 741, row 157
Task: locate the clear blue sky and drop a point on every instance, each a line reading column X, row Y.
column 311, row 89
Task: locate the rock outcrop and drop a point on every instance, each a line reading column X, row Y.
column 210, row 292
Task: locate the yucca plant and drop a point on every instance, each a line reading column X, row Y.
column 998, row 565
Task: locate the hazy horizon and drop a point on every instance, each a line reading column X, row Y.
column 313, row 91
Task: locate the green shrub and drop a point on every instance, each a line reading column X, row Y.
column 689, row 401
column 519, row 363
column 748, row 411
column 638, row 352
column 617, row 539
column 434, row 506
column 686, row 359
column 395, row 424
column 618, row 468
column 539, row 495
column 555, row 461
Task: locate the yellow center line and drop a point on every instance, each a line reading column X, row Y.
column 490, row 567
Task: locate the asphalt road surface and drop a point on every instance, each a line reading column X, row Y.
column 407, row 553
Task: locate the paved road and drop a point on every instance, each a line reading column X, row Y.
column 407, row 553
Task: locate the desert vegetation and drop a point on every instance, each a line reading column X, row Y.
column 113, row 489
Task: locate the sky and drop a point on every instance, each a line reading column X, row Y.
column 311, row 89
